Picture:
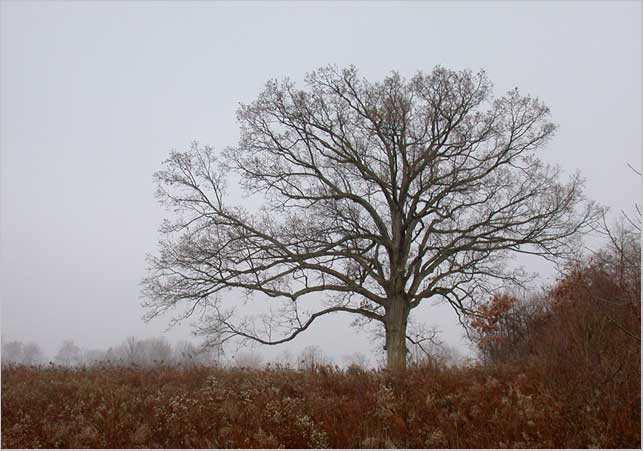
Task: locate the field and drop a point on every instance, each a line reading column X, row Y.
column 428, row 407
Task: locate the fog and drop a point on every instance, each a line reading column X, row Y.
column 95, row 94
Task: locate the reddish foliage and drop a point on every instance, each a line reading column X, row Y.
column 583, row 336
column 479, row 407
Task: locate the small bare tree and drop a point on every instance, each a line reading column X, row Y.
column 69, row 354
column 32, row 354
column 12, row 352
column 312, row 357
column 378, row 196
column 248, row 359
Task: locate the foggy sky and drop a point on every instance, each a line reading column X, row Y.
column 94, row 95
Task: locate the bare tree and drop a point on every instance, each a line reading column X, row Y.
column 185, row 353
column 132, row 351
column 147, row 352
column 12, row 352
column 356, row 360
column 95, row 357
column 635, row 223
column 158, row 351
column 377, row 196
column 189, row 354
column 69, row 354
column 248, row 359
column 284, row 359
column 32, row 354
column 312, row 357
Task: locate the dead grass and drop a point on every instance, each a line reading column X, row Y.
column 503, row 406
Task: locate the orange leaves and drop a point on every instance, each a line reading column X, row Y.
column 492, row 312
column 583, row 337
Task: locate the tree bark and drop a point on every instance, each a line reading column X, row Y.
column 395, row 324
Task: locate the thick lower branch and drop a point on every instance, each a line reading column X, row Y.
column 239, row 333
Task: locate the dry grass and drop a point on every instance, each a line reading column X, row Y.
column 504, row 406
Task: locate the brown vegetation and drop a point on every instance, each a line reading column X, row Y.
column 583, row 335
column 479, row 407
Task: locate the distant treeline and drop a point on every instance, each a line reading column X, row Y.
column 132, row 352
column 158, row 352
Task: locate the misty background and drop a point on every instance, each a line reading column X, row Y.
column 95, row 94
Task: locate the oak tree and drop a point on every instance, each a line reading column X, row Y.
column 375, row 196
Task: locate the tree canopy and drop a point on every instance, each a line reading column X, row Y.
column 376, row 196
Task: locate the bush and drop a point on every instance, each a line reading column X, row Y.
column 583, row 336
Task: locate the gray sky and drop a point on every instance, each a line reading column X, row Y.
column 94, row 95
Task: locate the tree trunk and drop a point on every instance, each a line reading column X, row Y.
column 395, row 325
